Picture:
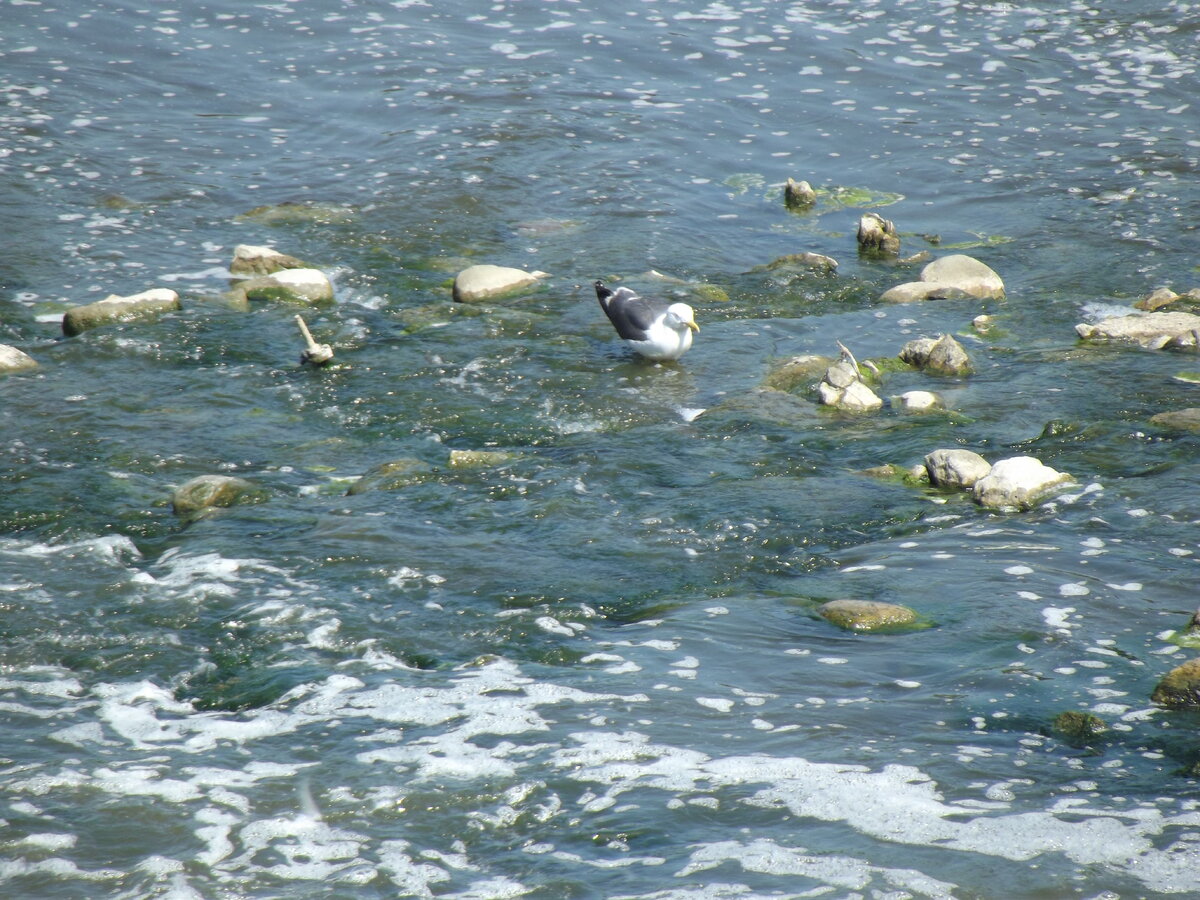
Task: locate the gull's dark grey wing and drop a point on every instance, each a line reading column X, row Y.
column 630, row 314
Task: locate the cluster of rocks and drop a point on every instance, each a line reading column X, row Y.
column 1018, row 482
column 264, row 274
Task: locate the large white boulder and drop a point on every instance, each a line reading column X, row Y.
column 1017, row 482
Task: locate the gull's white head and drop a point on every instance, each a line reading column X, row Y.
column 680, row 316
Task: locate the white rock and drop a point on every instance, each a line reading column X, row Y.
column 14, row 360
column 252, row 259
column 918, row 401
column 292, row 285
column 841, row 387
column 485, row 282
column 956, row 468
column 967, row 274
column 1019, row 481
column 912, row 291
column 1153, row 330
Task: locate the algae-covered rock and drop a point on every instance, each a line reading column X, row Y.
column 308, row 286
column 291, row 213
column 877, row 235
column 1157, row 300
column 1179, row 688
column 391, row 476
column 479, row 458
column 113, row 308
column 786, row 374
column 487, row 282
column 798, row 194
column 867, row 615
column 249, row 259
column 1079, row 727
column 815, row 262
column 14, row 360
column 1178, row 419
column 193, row 498
column 1017, row 482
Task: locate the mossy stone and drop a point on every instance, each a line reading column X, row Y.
column 1179, row 688
column 867, row 615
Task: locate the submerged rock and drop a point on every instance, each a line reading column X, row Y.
column 842, row 387
column 1178, row 419
column 956, row 468
column 1151, row 330
column 786, row 374
column 798, row 194
column 1017, row 482
column 918, row 401
column 877, row 235
column 391, row 476
column 914, row 291
column 308, row 286
column 815, row 262
column 479, row 458
column 983, row 324
column 113, row 308
column 1179, row 688
column 950, row 277
column 192, row 498
column 249, row 259
column 1157, row 300
column 14, row 360
column 866, row 615
column 1079, row 727
column 941, row 356
column 487, row 282
column 291, row 213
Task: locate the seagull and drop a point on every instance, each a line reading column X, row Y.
column 655, row 329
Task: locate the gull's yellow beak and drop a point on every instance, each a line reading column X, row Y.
column 691, row 323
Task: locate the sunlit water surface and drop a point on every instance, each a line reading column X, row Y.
column 594, row 670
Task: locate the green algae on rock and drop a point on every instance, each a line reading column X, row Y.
column 868, row 615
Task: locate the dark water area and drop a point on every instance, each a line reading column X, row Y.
column 593, row 668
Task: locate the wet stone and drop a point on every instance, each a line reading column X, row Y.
column 866, row 615
column 193, row 498
column 488, row 282
column 113, row 308
column 1019, row 482
column 249, row 259
column 1179, row 688
column 391, row 476
column 955, row 468
column 14, row 360
column 307, row 286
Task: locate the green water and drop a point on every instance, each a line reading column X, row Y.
column 593, row 667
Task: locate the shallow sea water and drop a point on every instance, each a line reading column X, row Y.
column 595, row 670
